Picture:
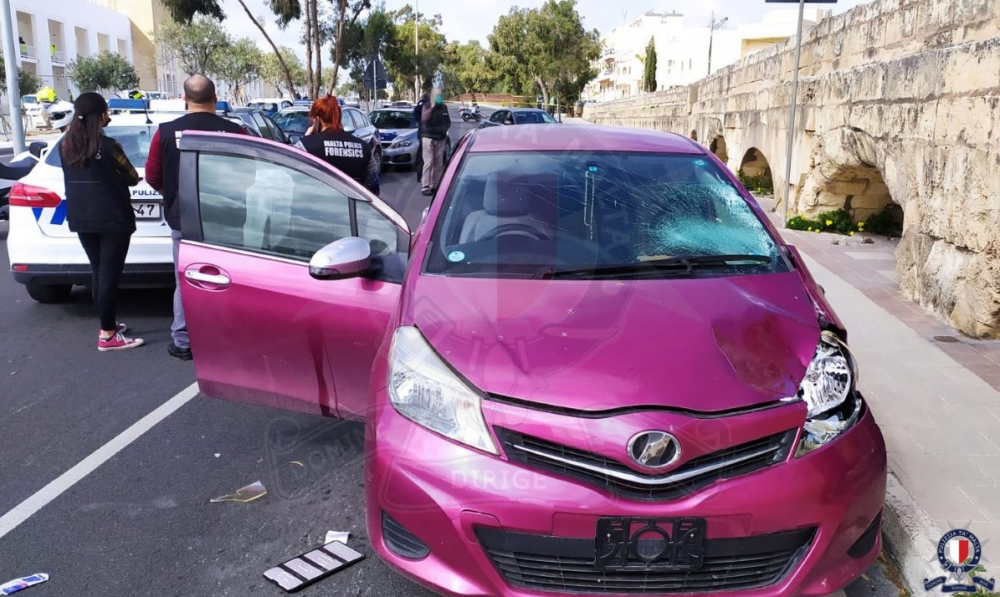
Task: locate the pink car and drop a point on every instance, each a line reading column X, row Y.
column 594, row 369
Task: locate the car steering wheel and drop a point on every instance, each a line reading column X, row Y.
column 515, row 229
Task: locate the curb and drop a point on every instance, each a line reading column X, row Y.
column 909, row 535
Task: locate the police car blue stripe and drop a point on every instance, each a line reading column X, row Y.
column 59, row 216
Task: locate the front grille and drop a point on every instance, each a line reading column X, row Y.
column 622, row 480
column 567, row 565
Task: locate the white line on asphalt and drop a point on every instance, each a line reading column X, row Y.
column 24, row 510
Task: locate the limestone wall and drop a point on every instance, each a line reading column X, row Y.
column 899, row 104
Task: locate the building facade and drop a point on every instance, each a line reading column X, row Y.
column 51, row 35
column 684, row 53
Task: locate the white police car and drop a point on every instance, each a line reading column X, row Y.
column 48, row 259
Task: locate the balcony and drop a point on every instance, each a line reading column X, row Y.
column 27, row 51
column 58, row 57
column 608, row 52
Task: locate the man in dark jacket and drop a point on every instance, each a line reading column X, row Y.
column 418, row 163
column 163, row 170
column 434, row 125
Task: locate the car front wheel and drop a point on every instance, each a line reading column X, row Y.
column 49, row 293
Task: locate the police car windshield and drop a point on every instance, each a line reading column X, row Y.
column 393, row 119
column 135, row 140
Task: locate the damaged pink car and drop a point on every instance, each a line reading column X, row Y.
column 594, row 369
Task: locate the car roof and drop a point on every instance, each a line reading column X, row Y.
column 584, row 137
column 526, row 110
column 139, row 118
column 292, row 109
column 270, row 100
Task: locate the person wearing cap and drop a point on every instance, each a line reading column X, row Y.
column 97, row 176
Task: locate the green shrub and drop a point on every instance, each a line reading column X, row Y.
column 883, row 223
column 837, row 221
column 762, row 185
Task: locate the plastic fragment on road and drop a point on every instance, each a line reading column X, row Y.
column 341, row 536
column 313, row 566
column 244, row 494
column 13, row 586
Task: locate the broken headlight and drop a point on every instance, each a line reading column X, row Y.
column 425, row 390
column 828, row 391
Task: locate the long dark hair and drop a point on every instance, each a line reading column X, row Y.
column 83, row 139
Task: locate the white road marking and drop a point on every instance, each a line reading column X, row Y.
column 27, row 508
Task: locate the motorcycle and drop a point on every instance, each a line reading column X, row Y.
column 470, row 114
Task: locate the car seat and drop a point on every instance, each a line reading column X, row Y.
column 512, row 198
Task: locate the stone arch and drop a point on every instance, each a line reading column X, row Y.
column 755, row 171
column 719, row 148
column 846, row 175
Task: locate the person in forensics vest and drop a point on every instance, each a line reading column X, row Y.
column 327, row 140
column 98, row 175
column 163, row 171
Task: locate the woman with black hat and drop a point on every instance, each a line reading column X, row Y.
column 98, row 175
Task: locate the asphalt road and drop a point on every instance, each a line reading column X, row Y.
column 141, row 523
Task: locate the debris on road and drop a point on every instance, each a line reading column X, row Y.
column 243, row 494
column 297, row 463
column 13, row 586
column 313, row 566
column 341, row 536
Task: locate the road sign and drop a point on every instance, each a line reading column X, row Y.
column 375, row 75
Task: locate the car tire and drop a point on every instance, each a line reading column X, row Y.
column 49, row 293
column 447, row 151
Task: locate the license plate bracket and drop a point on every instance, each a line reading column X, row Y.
column 147, row 210
column 666, row 544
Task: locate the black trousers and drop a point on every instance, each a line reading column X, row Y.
column 106, row 252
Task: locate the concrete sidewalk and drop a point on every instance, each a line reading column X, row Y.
column 941, row 420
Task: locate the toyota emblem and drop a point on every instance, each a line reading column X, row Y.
column 654, row 449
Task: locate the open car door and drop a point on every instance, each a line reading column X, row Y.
column 265, row 327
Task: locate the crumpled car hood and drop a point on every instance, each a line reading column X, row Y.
column 706, row 345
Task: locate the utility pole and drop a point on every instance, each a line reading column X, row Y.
column 713, row 26
column 416, row 50
column 791, row 117
column 13, row 89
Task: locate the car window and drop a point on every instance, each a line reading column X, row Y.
column 520, row 213
column 388, row 245
column 393, row 119
column 276, row 132
column 281, row 212
column 497, row 116
column 135, row 140
column 258, row 119
column 292, row 122
column 533, row 118
column 347, row 122
column 268, row 106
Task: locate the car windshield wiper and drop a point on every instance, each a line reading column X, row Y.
column 671, row 264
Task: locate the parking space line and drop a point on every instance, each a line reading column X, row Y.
column 27, row 508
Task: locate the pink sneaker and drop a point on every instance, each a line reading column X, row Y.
column 118, row 342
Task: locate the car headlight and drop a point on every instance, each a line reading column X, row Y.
column 828, row 391
column 424, row 389
column 403, row 143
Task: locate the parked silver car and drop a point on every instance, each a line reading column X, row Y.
column 398, row 136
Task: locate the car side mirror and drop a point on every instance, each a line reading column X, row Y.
column 343, row 258
column 36, row 148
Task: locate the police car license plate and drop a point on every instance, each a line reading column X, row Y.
column 148, row 210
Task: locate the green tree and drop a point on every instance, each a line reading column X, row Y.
column 369, row 40
column 198, row 46
column 103, row 72
column 401, row 61
column 273, row 70
column 186, row 11
column 345, row 31
column 649, row 66
column 27, row 83
column 546, row 47
column 239, row 66
column 467, row 67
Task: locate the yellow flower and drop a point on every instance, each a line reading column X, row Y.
column 861, row 225
column 852, row 233
column 810, row 229
column 829, row 222
column 817, row 231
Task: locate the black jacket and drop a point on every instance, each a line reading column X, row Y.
column 342, row 150
column 98, row 199
column 171, row 155
column 437, row 125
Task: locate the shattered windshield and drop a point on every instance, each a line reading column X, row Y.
column 540, row 214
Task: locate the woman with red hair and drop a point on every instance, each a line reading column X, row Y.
column 327, row 140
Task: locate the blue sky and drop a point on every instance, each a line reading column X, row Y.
column 474, row 19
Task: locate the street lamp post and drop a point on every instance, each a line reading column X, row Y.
column 13, row 89
column 416, row 50
column 713, row 26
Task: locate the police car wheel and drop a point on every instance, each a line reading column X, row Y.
column 49, row 293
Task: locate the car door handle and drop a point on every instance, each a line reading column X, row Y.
column 216, row 279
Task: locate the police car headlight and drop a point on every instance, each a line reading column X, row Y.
column 425, row 390
column 833, row 406
column 403, row 143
